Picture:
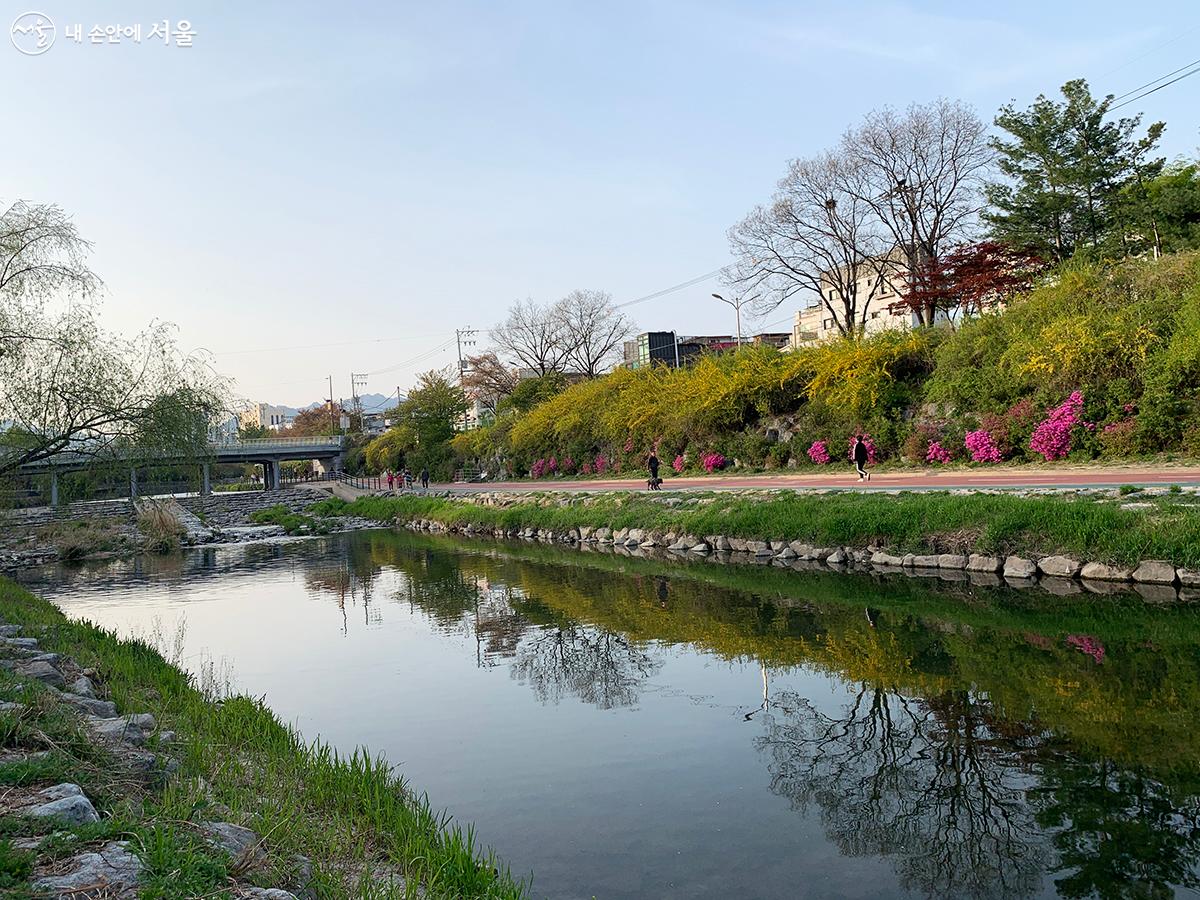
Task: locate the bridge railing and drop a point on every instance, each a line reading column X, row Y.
column 331, row 441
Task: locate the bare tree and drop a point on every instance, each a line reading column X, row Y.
column 818, row 237
column 532, row 337
column 487, row 380
column 593, row 329
column 923, row 173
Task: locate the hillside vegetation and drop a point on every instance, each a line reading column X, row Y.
column 1095, row 362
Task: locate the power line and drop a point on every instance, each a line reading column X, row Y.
column 675, row 287
column 1156, row 80
column 1154, row 90
column 1178, row 37
column 416, row 359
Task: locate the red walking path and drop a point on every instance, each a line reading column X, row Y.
column 1064, row 477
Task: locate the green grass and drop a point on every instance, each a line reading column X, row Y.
column 292, row 523
column 919, row 522
column 350, row 814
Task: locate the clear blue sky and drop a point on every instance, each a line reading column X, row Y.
column 307, row 174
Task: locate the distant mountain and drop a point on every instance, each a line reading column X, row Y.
column 370, row 402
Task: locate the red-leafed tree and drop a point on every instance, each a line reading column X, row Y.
column 970, row 278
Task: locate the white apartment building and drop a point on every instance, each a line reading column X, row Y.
column 814, row 322
column 264, row 415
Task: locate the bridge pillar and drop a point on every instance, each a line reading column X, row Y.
column 205, row 480
column 53, row 488
column 133, row 489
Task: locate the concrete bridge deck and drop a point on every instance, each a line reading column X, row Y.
column 267, row 452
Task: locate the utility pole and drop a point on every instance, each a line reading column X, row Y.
column 332, row 420
column 461, row 336
column 675, row 341
column 357, row 381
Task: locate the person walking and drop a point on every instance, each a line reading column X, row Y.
column 408, row 479
column 424, row 478
column 861, row 456
column 652, row 465
column 391, row 480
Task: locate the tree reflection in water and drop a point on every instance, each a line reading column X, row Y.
column 596, row 666
column 927, row 783
column 983, row 760
column 1118, row 833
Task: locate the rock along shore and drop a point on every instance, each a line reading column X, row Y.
column 1156, row 581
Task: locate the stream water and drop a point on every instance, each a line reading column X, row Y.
column 621, row 727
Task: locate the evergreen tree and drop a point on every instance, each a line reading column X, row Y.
column 1068, row 174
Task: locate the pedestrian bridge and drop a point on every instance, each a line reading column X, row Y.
column 267, row 452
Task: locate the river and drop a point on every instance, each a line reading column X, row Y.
column 622, row 727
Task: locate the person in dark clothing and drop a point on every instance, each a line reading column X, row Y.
column 652, row 464
column 860, row 458
column 425, row 478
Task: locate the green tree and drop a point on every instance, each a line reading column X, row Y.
column 1067, row 170
column 432, row 413
column 1169, row 204
column 388, row 451
column 252, row 431
column 532, row 392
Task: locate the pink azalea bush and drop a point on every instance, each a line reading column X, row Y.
column 819, row 452
column 601, row 464
column 679, row 464
column 586, row 468
column 936, row 453
column 1052, row 438
column 566, row 465
column 1085, row 643
column 538, row 469
column 712, row 461
column 870, row 448
column 982, row 447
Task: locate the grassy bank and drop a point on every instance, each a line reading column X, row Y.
column 1086, row 527
column 364, row 831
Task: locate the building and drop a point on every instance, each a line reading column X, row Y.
column 651, row 347
column 374, row 423
column 777, row 339
column 815, row 323
column 264, row 415
column 666, row 348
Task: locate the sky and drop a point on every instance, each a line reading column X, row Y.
column 311, row 190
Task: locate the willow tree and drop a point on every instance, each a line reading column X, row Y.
column 67, row 384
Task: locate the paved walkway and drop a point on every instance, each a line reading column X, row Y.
column 1064, row 477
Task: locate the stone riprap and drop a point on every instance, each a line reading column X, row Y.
column 1156, row 581
column 113, row 870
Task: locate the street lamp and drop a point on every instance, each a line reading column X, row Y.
column 736, row 303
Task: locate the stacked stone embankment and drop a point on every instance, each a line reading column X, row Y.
column 1156, row 581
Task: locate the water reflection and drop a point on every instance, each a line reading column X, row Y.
column 978, row 743
column 937, row 785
